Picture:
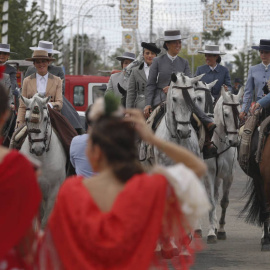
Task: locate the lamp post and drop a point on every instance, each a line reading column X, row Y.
column 78, row 26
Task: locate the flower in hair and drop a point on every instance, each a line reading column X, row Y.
column 109, row 105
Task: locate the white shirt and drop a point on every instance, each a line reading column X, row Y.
column 146, row 70
column 171, row 57
column 213, row 68
column 42, row 83
column 266, row 66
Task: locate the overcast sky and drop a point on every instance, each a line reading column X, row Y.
column 168, row 14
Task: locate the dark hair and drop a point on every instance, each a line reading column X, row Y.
column 117, row 140
column 3, row 99
column 218, row 59
column 165, row 46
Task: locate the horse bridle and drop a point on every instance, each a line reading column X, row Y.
column 182, row 88
column 36, row 131
column 207, row 91
column 235, row 117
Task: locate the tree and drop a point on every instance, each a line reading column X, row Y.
column 199, row 59
column 115, row 63
column 218, row 35
column 240, row 61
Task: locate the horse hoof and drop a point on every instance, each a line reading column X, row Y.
column 265, row 244
column 221, row 236
column 198, row 233
column 211, row 239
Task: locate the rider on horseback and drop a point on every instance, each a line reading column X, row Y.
column 159, row 80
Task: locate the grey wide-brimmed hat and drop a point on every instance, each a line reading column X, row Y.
column 46, row 46
column 264, row 45
column 5, row 48
column 126, row 55
column 212, row 49
column 40, row 55
column 170, row 35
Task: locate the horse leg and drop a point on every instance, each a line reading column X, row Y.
column 224, row 204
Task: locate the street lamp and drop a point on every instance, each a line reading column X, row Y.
column 78, row 25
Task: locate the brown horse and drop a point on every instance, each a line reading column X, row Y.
column 258, row 204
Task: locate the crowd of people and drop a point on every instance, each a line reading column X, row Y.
column 112, row 214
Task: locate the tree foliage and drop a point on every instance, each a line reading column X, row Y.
column 217, row 36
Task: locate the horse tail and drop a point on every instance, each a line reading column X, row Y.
column 254, row 209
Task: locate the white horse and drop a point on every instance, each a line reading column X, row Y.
column 43, row 144
column 176, row 126
column 223, row 166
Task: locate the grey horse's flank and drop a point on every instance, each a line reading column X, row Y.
column 175, row 125
column 43, row 144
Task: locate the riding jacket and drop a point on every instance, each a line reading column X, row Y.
column 220, row 73
column 160, row 76
column 53, row 89
column 257, row 78
column 136, row 88
column 114, row 80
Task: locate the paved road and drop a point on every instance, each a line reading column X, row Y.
column 241, row 250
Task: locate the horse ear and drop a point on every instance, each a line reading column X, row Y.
column 174, row 77
column 223, row 93
column 210, row 85
column 26, row 101
column 46, row 100
column 196, row 79
column 240, row 93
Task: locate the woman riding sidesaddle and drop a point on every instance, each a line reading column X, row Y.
column 46, row 84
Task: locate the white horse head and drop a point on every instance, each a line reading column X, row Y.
column 227, row 115
column 38, row 123
column 204, row 99
column 180, row 99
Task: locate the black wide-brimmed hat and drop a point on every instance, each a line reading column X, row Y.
column 151, row 47
column 126, row 55
column 264, row 45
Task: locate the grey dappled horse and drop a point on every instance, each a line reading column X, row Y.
column 43, row 144
column 175, row 125
column 221, row 168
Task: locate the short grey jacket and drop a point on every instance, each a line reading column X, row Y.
column 11, row 71
column 6, row 82
column 136, row 88
column 160, row 76
column 54, row 70
column 257, row 78
column 114, row 80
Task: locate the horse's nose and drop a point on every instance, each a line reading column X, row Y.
column 233, row 143
column 184, row 134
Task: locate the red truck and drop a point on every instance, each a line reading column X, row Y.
column 83, row 90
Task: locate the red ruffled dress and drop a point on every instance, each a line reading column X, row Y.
column 19, row 202
column 81, row 236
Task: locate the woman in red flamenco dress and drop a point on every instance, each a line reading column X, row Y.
column 19, row 202
column 115, row 219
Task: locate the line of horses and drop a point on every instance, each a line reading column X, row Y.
column 175, row 126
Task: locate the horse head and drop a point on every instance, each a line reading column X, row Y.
column 37, row 120
column 204, row 98
column 180, row 100
column 227, row 115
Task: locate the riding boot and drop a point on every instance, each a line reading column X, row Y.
column 209, row 150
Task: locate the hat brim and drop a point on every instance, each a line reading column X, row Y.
column 151, row 48
column 166, row 40
column 43, row 49
column 262, row 47
column 40, row 58
column 209, row 52
column 6, row 51
column 120, row 58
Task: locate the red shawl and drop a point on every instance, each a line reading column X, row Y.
column 19, row 199
column 124, row 238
